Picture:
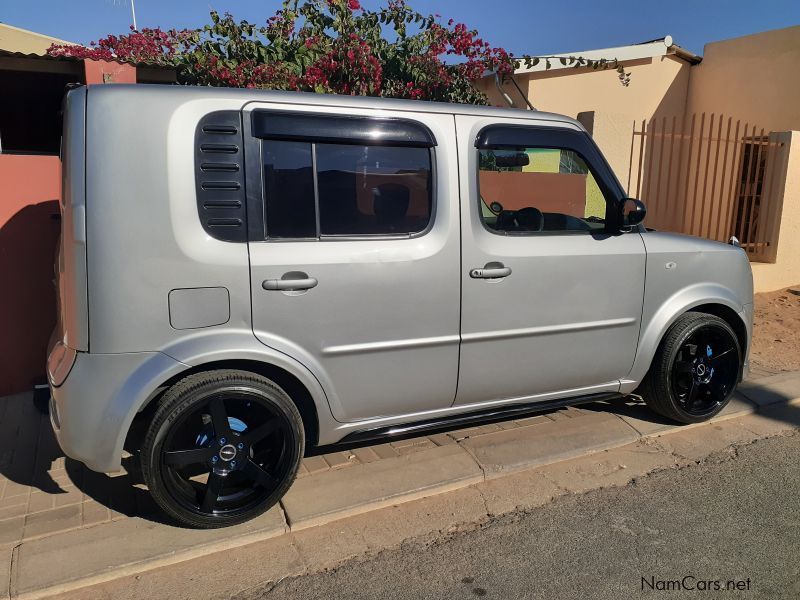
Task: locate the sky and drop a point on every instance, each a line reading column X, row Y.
column 520, row 26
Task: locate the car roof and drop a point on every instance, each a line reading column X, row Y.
column 313, row 99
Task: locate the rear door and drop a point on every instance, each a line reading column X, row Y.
column 552, row 297
column 354, row 250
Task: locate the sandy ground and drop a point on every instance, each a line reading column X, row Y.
column 776, row 331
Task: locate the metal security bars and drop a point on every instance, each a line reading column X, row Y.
column 711, row 176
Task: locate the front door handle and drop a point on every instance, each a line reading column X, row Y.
column 491, row 270
column 290, row 282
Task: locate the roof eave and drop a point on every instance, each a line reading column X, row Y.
column 652, row 49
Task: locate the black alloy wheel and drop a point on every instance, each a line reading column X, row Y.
column 222, row 448
column 705, row 370
column 695, row 369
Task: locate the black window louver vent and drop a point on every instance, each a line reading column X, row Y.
column 219, row 176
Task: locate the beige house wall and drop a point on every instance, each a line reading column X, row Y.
column 658, row 87
column 612, row 133
column 14, row 39
column 786, row 269
column 755, row 78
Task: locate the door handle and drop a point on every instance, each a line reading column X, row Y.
column 290, row 282
column 491, row 271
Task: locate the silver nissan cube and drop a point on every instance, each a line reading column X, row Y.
column 245, row 275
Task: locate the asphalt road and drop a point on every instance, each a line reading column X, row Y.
column 733, row 517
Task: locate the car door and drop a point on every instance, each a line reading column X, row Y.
column 551, row 293
column 354, row 251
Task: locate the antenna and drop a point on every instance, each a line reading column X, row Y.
column 133, row 13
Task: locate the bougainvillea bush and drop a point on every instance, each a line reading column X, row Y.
column 325, row 46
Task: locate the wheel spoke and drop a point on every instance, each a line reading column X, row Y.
column 259, row 475
column 260, row 432
column 683, row 367
column 219, row 418
column 721, row 354
column 213, row 492
column 691, row 395
column 181, row 458
column 718, row 390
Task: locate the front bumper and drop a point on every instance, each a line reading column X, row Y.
column 92, row 410
column 747, row 316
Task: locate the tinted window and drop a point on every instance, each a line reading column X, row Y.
column 530, row 190
column 360, row 189
column 289, row 190
column 373, row 190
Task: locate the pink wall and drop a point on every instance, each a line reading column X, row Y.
column 30, row 187
column 563, row 193
column 106, row 71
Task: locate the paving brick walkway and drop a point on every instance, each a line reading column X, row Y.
column 43, row 493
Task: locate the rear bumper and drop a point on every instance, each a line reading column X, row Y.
column 91, row 411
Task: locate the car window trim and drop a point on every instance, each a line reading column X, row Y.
column 344, row 129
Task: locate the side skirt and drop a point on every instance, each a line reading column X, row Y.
column 462, row 420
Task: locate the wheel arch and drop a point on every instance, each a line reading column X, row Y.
column 235, row 349
column 730, row 316
column 708, row 298
column 290, row 383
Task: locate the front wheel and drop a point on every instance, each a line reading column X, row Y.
column 695, row 369
column 222, row 448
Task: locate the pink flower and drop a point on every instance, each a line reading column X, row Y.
column 353, row 5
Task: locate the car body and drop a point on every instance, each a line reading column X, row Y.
column 171, row 263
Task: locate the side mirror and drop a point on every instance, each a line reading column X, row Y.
column 633, row 212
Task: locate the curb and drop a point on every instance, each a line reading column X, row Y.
column 358, row 490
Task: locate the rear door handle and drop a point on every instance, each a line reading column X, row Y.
column 290, row 282
column 491, row 271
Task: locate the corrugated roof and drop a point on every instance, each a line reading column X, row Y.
column 47, row 57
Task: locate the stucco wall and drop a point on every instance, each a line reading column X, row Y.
column 30, row 187
column 755, row 78
column 786, row 269
column 15, row 39
column 657, row 88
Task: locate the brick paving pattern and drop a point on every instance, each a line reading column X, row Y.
column 43, row 493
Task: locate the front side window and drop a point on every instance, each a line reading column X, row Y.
column 313, row 190
column 531, row 190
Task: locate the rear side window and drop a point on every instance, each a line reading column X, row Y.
column 289, row 186
column 373, row 190
column 329, row 187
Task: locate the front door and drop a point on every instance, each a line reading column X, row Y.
column 355, row 252
column 552, row 299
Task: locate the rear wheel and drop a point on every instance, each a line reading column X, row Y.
column 695, row 369
column 222, row 448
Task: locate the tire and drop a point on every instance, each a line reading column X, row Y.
column 695, row 369
column 240, row 428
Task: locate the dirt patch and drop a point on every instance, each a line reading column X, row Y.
column 776, row 331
